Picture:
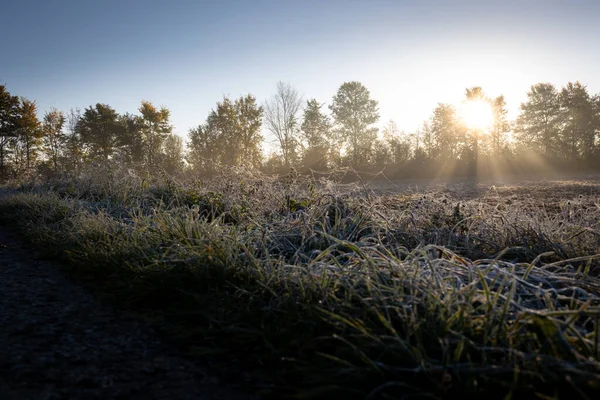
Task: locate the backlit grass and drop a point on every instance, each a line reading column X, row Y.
column 307, row 288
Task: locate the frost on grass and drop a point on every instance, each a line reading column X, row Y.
column 460, row 287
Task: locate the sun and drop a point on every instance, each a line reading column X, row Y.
column 477, row 115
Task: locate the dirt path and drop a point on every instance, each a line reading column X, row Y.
column 57, row 342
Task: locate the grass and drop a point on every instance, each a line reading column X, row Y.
column 306, row 288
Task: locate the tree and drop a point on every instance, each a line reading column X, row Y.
column 73, row 147
column 473, row 94
column 428, row 140
column 155, row 128
column 397, row 143
column 315, row 133
column 579, row 131
column 274, row 163
column 596, row 108
column 248, row 121
column 354, row 113
column 281, row 118
column 204, row 147
column 172, row 156
column 381, row 154
column 446, row 132
column 538, row 125
column 29, row 134
column 500, row 125
column 54, row 138
column 230, row 136
column 131, row 140
column 9, row 111
column 100, row 129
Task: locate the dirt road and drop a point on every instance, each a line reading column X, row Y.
column 58, row 342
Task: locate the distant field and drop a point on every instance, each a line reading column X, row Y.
column 555, row 185
column 368, row 290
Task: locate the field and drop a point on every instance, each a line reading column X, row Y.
column 309, row 288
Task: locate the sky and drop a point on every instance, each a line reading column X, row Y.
column 186, row 55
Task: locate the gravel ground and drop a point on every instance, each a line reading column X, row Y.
column 58, row 342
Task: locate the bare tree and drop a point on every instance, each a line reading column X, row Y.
column 73, row 147
column 281, row 117
column 54, row 138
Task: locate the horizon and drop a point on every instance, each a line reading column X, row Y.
column 410, row 56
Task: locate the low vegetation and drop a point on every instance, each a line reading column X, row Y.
column 307, row 288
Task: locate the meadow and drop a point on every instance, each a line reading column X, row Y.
column 306, row 287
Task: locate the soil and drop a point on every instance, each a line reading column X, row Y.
column 58, row 342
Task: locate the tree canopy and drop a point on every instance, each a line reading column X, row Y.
column 557, row 124
column 355, row 113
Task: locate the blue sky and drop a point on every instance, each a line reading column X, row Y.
column 187, row 54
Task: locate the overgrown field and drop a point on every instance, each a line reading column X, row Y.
column 302, row 287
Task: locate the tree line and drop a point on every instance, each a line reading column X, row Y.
column 553, row 124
